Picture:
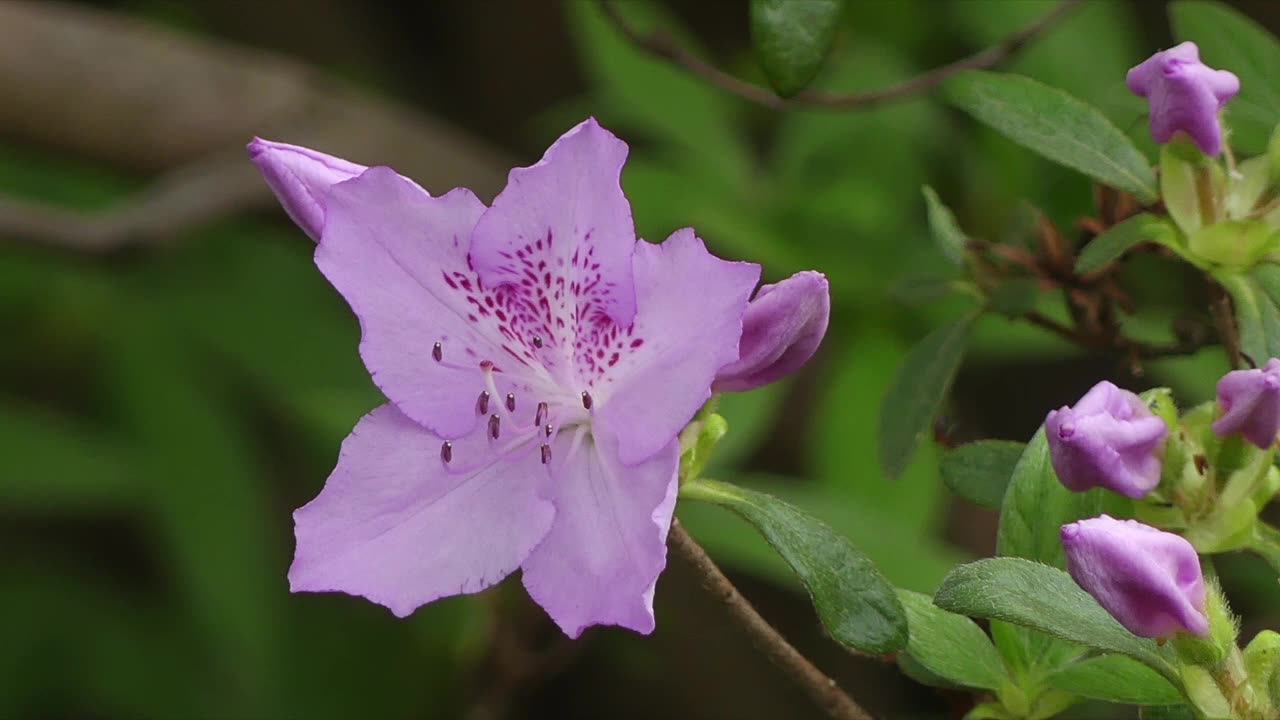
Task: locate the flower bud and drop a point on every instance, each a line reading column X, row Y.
column 781, row 330
column 1149, row 580
column 300, row 177
column 1109, row 439
column 1185, row 95
column 1249, row 401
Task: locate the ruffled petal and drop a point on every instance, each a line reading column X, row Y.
column 394, row 526
column 689, row 322
column 566, row 223
column 301, row 177
column 399, row 257
column 607, row 546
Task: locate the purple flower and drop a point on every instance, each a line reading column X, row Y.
column 1184, row 95
column 1250, row 403
column 300, row 178
column 1109, row 439
column 782, row 329
column 540, row 363
column 1149, row 580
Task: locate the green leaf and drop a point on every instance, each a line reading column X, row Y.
column 856, row 604
column 1113, row 243
column 1044, row 598
column 1117, row 679
column 1230, row 41
column 1256, row 298
column 1056, row 125
column 792, row 38
column 919, row 388
column 980, row 471
column 950, row 646
column 947, row 235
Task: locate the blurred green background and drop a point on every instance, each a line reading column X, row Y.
column 165, row 406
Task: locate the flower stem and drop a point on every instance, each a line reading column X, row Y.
column 820, row 688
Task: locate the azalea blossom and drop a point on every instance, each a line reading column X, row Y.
column 1148, row 579
column 539, row 363
column 1108, row 439
column 1185, row 95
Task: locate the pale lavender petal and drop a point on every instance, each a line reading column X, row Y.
column 653, row 379
column 399, row 257
column 565, row 224
column 300, row 177
column 782, row 328
column 607, row 545
column 1149, row 580
column 394, row 526
column 1143, row 76
column 1250, row 404
column 1109, row 439
column 1185, row 95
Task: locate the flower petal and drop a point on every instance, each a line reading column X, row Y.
column 399, row 257
column 601, row 560
column 300, row 177
column 565, row 218
column 392, row 525
column 781, row 330
column 688, row 325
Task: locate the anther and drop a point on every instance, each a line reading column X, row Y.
column 540, row 417
column 586, row 400
column 494, row 426
column 511, row 402
column 547, row 430
column 486, row 365
column 446, row 452
column 437, row 352
column 546, row 454
column 482, row 403
column 537, row 341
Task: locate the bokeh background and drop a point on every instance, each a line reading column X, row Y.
column 176, row 377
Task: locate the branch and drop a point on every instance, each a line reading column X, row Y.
column 820, row 688
column 661, row 45
column 144, row 98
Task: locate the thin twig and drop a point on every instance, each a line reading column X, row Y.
column 822, row 689
column 661, row 45
column 1224, row 319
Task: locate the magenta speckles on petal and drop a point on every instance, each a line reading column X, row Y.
column 540, row 363
column 564, row 224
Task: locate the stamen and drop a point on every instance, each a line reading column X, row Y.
column 546, row 454
column 482, row 403
column 511, row 402
column 437, row 352
column 586, row 400
column 540, row 417
column 495, row 426
column 537, row 341
column 446, row 452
